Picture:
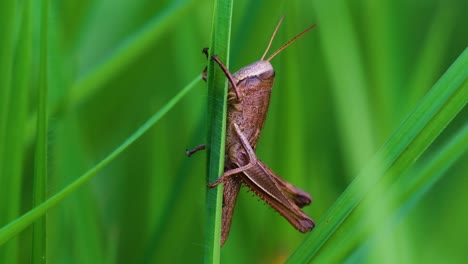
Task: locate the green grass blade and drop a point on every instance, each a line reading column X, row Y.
column 12, row 171
column 40, row 161
column 217, row 93
column 122, row 56
column 402, row 197
column 74, row 216
column 7, row 26
column 13, row 228
column 128, row 50
column 432, row 54
column 384, row 51
column 358, row 233
column 346, row 68
column 435, row 111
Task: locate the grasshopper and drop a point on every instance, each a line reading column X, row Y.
column 248, row 100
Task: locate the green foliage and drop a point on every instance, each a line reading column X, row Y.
column 217, row 105
column 351, row 98
column 39, row 242
column 435, row 111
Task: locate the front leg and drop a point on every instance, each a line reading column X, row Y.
column 252, row 159
column 229, row 76
column 205, row 71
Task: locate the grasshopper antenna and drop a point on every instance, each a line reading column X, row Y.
column 289, row 42
column 273, row 36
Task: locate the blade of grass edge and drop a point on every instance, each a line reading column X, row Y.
column 398, row 197
column 406, row 192
column 440, row 105
column 217, row 94
column 16, row 226
column 40, row 159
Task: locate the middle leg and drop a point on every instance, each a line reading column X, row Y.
column 250, row 153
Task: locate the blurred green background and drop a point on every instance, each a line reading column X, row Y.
column 340, row 92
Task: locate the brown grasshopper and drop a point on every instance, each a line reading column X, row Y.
column 248, row 99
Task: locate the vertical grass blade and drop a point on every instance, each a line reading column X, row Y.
column 384, row 38
column 433, row 53
column 11, row 172
column 217, row 94
column 434, row 112
column 345, row 64
column 7, row 26
column 40, row 166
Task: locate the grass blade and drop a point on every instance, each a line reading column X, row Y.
column 128, row 51
column 346, row 68
column 11, row 172
column 432, row 54
column 40, row 162
column 402, row 197
column 124, row 54
column 435, row 111
column 217, row 90
column 13, row 228
column 7, row 26
column 358, row 233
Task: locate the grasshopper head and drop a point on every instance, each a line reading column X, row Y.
column 261, row 69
